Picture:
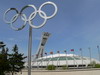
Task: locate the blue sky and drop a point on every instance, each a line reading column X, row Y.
column 76, row 25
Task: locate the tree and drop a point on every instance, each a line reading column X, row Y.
column 4, row 62
column 16, row 60
column 2, row 45
column 10, row 62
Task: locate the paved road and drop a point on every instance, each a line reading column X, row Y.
column 84, row 72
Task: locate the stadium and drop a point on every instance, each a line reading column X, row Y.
column 59, row 60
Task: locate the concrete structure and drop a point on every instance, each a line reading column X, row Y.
column 60, row 60
column 43, row 41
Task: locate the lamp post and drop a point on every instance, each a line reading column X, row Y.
column 24, row 18
column 90, row 54
column 59, row 58
column 41, row 61
column 52, row 57
column 66, row 59
column 81, row 56
column 98, row 52
column 46, row 60
column 73, row 57
column 37, row 61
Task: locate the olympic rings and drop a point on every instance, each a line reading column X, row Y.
column 33, row 26
column 46, row 4
column 35, row 11
column 7, row 12
column 29, row 19
column 20, row 28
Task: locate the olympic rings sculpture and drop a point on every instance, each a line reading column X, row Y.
column 23, row 17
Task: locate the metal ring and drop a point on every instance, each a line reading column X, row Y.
column 20, row 28
column 31, row 17
column 51, row 3
column 45, row 19
column 7, row 12
column 24, row 18
column 35, row 11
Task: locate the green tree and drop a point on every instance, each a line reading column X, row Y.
column 4, row 62
column 16, row 60
column 2, row 44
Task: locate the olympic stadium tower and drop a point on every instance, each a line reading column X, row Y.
column 58, row 60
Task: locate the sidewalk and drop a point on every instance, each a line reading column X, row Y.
column 67, row 72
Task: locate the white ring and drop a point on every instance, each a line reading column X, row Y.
column 24, row 18
column 7, row 12
column 48, row 17
column 31, row 17
column 35, row 11
column 45, row 19
column 20, row 28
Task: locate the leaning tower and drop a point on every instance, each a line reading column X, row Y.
column 43, row 41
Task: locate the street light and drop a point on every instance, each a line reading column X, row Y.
column 66, row 58
column 90, row 54
column 98, row 52
column 73, row 57
column 59, row 59
column 52, row 57
column 81, row 56
column 37, row 61
column 46, row 59
column 24, row 18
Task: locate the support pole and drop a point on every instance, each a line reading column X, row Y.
column 29, row 50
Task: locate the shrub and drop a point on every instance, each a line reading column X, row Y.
column 97, row 66
column 90, row 64
column 51, row 67
column 64, row 67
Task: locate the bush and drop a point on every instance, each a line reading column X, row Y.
column 51, row 67
column 90, row 65
column 97, row 66
column 64, row 67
